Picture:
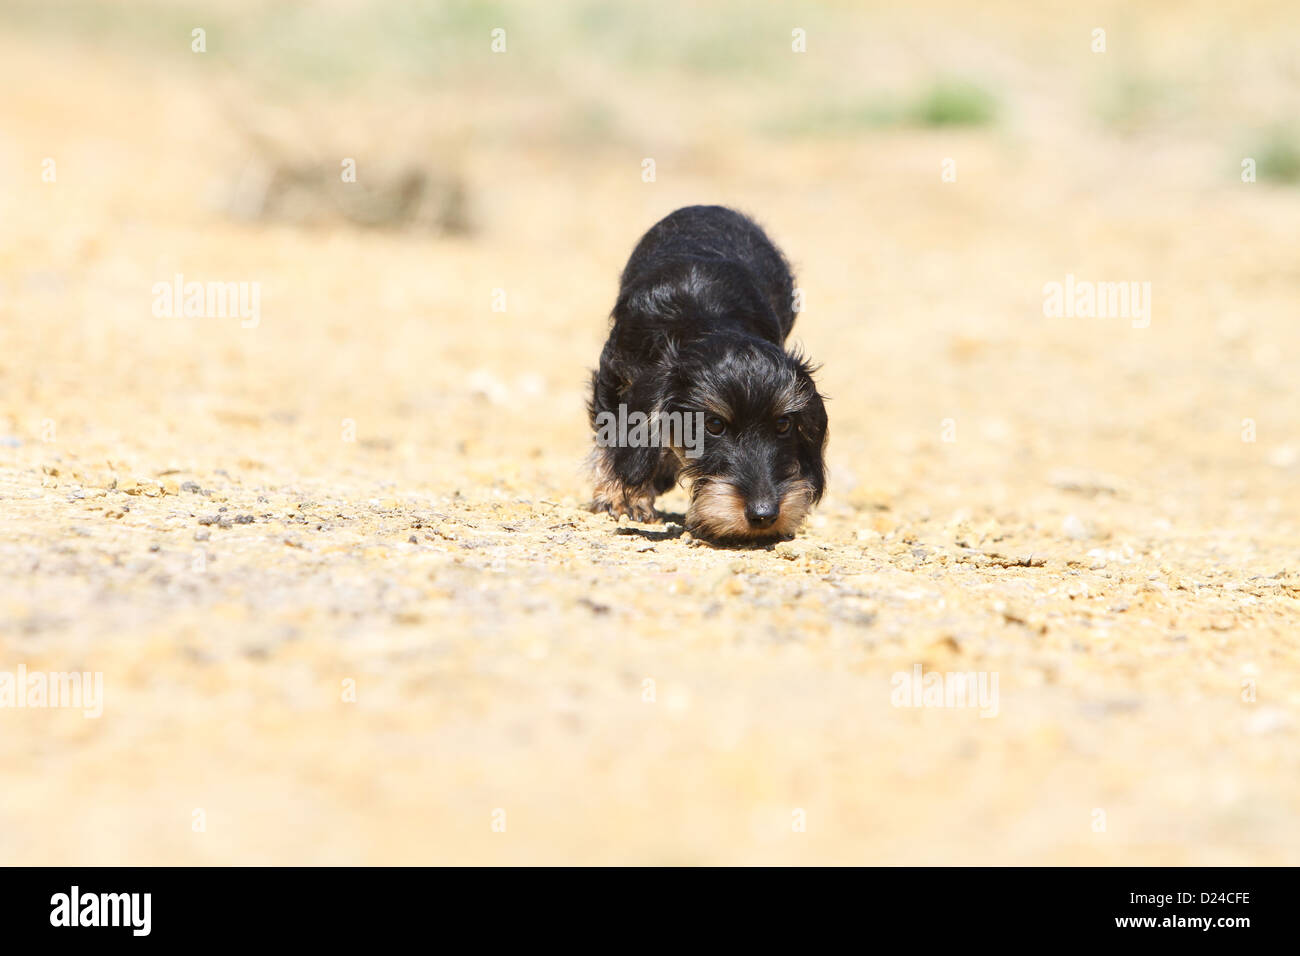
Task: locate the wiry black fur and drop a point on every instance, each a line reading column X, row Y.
column 704, row 308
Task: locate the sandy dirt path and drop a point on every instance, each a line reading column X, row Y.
column 337, row 574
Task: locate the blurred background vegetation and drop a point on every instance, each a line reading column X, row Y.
column 584, row 73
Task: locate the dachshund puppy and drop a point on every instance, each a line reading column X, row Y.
column 695, row 384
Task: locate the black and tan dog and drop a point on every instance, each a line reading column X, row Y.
column 696, row 364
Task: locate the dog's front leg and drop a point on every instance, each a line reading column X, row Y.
column 617, row 492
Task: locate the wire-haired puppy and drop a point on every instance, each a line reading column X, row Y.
column 695, row 384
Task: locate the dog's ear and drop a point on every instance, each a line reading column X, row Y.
column 813, row 427
column 817, row 465
column 637, row 460
column 813, row 423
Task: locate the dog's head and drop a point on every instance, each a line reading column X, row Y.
column 758, row 467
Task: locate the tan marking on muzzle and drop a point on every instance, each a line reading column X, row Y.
column 717, row 511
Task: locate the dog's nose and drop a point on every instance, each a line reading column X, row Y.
column 761, row 514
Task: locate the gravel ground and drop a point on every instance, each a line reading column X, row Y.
column 348, row 605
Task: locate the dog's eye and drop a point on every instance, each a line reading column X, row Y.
column 715, row 426
column 783, row 425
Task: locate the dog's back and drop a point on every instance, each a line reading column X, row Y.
column 717, row 259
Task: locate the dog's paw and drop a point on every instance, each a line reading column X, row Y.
column 637, row 506
column 643, row 512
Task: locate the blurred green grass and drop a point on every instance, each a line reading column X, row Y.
column 954, row 103
column 1132, row 102
column 338, row 44
column 310, row 44
column 594, row 72
column 1277, row 155
column 946, row 102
